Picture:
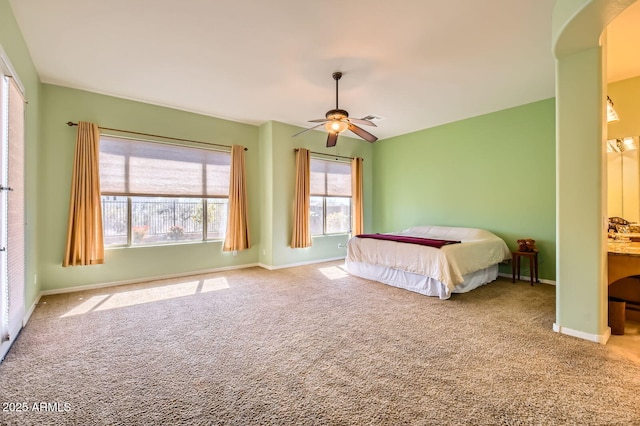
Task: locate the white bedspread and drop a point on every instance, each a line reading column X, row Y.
column 479, row 250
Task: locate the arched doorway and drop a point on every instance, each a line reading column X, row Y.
column 579, row 48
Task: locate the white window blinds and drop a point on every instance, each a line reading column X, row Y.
column 13, row 226
column 330, row 178
column 138, row 168
column 15, row 206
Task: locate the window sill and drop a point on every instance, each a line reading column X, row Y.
column 186, row 243
column 341, row 234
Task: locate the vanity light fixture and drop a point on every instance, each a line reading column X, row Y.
column 612, row 115
column 621, row 145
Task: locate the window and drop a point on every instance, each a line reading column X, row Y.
column 330, row 204
column 156, row 193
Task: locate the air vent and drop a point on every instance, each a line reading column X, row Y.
column 374, row 118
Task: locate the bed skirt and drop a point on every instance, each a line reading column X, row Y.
column 420, row 283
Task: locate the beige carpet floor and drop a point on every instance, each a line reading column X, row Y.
column 309, row 345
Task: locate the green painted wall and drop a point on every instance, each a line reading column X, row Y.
column 495, row 171
column 581, row 189
column 280, row 192
column 266, row 194
column 14, row 46
column 57, row 149
column 270, row 183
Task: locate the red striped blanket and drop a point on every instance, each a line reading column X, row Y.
column 410, row 240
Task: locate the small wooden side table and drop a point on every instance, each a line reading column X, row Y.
column 533, row 264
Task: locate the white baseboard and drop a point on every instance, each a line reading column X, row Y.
column 291, row 265
column 527, row 278
column 27, row 314
column 597, row 338
column 144, row 279
column 5, row 345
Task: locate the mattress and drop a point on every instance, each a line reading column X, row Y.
column 445, row 270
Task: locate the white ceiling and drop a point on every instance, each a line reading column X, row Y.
column 416, row 63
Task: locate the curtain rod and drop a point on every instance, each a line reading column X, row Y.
column 328, row 155
column 70, row 123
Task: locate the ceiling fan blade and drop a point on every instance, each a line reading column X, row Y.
column 362, row 121
column 332, row 139
column 362, row 133
column 306, row 130
column 319, row 120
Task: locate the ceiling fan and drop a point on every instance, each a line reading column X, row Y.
column 337, row 121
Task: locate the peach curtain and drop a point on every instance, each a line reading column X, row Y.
column 357, row 221
column 301, row 231
column 85, row 244
column 237, row 237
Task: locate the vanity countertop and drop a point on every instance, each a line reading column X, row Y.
column 623, row 248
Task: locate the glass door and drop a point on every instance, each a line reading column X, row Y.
column 12, row 212
column 4, row 285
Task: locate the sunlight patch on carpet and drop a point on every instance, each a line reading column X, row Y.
column 122, row 299
column 213, row 284
column 333, row 272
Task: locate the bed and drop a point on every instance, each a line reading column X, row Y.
column 467, row 259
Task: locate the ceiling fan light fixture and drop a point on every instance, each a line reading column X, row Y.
column 336, row 126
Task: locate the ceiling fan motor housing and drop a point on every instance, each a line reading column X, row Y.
column 336, row 114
